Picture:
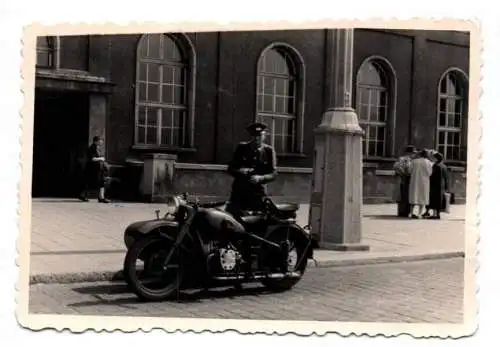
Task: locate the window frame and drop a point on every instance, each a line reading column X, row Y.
column 462, row 78
column 188, row 65
column 53, row 51
column 390, row 114
column 298, row 76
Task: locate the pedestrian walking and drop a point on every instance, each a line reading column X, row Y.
column 420, row 172
column 95, row 171
column 402, row 169
column 438, row 187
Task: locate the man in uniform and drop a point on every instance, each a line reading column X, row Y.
column 253, row 166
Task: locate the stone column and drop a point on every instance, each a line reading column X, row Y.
column 335, row 210
column 158, row 176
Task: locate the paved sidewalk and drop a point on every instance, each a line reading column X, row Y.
column 74, row 241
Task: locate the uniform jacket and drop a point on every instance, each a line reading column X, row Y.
column 263, row 162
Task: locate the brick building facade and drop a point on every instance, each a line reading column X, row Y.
column 191, row 95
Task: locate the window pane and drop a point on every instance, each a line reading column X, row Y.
column 143, row 74
column 152, row 116
column 380, row 148
column 166, row 119
column 455, row 138
column 280, row 103
column 142, row 91
column 153, row 44
column 260, row 103
column 458, row 107
column 268, row 85
column 442, row 105
column 441, row 149
column 442, row 119
column 364, row 95
column 281, row 87
column 441, row 138
column 179, row 75
column 154, row 73
column 363, row 112
column 382, row 113
column 169, row 49
column 141, row 117
column 178, row 95
column 153, row 92
column 450, row 106
column 374, row 113
column 43, row 59
column 168, row 74
column 443, row 86
column 141, row 134
column 380, row 133
column 371, row 148
column 375, row 98
column 458, row 120
column 151, row 135
column 268, row 103
column 167, row 94
column 384, row 99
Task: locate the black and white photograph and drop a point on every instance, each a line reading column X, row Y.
column 283, row 178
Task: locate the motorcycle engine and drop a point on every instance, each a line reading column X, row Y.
column 229, row 258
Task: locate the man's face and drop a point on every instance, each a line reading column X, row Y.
column 260, row 138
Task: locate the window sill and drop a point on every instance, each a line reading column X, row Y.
column 291, row 155
column 379, row 159
column 163, row 149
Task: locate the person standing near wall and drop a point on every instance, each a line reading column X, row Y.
column 420, row 172
column 95, row 171
column 438, row 187
column 402, row 169
column 253, row 166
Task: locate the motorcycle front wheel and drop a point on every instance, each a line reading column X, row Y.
column 155, row 280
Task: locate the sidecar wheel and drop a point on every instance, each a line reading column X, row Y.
column 168, row 282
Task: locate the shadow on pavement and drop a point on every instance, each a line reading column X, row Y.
column 98, row 291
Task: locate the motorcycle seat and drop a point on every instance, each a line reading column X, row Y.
column 286, row 207
column 252, row 219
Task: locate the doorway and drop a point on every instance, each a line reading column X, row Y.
column 61, row 123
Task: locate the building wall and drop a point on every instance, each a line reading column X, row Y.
column 225, row 97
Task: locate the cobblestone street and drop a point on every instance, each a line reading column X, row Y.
column 427, row 291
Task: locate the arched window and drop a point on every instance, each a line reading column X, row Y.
column 374, row 105
column 45, row 51
column 279, row 97
column 164, row 92
column 451, row 115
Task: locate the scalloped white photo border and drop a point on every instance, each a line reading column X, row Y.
column 129, row 324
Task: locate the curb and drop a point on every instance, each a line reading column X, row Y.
column 115, row 276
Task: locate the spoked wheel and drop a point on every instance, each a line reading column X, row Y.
column 291, row 258
column 157, row 278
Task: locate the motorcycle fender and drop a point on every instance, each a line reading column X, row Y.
column 136, row 229
column 307, row 238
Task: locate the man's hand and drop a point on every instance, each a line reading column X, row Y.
column 256, row 179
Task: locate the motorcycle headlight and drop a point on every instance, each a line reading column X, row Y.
column 172, row 206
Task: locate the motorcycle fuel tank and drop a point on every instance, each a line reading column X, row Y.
column 218, row 220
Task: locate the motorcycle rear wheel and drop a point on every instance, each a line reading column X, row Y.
column 170, row 287
column 284, row 284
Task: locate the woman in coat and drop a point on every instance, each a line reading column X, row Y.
column 420, row 172
column 438, row 186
